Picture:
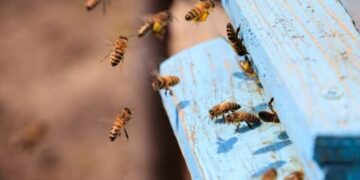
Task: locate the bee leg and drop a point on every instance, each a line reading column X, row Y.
column 270, row 105
column 170, row 92
column 126, row 134
column 249, row 125
column 237, row 128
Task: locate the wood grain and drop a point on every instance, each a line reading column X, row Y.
column 210, row 74
column 308, row 57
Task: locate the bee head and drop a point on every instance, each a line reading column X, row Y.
column 128, row 111
column 156, row 84
column 112, row 138
column 123, row 37
column 209, row 4
column 211, row 113
column 228, row 118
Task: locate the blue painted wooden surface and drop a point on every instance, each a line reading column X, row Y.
column 210, row 74
column 308, row 57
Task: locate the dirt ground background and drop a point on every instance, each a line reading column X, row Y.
column 50, row 74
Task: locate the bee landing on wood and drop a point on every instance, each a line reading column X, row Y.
column 269, row 116
column 223, row 108
column 270, row 174
column 234, row 40
column 164, row 82
column 119, row 49
column 156, row 24
column 240, row 116
column 121, row 120
column 297, row 175
column 200, row 12
column 91, row 4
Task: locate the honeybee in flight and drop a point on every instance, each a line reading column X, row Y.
column 247, row 67
column 164, row 82
column 234, row 40
column 200, row 12
column 119, row 48
column 121, row 120
column 270, row 174
column 30, row 136
column 156, row 24
column 297, row 175
column 269, row 116
column 223, row 108
column 240, row 116
column 91, row 4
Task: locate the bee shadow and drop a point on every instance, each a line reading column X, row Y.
column 240, row 75
column 273, row 147
column 274, row 165
column 283, row 136
column 225, row 146
column 244, row 128
column 261, row 107
column 181, row 105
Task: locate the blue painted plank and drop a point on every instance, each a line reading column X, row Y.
column 210, row 74
column 307, row 54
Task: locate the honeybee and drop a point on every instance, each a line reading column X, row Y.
column 223, row 108
column 164, row 82
column 297, row 175
column 121, row 120
column 247, row 67
column 30, row 136
column 270, row 174
column 119, row 48
column 156, row 24
column 234, row 40
column 200, row 12
column 91, row 4
column 269, row 116
column 240, row 116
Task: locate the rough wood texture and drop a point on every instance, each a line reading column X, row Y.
column 308, row 57
column 209, row 75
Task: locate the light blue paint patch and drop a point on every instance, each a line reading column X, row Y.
column 210, row 74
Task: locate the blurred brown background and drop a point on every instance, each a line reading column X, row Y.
column 50, row 74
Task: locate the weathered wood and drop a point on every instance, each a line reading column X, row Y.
column 308, row 57
column 209, row 75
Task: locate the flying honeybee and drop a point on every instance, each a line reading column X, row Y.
column 91, row 4
column 269, row 116
column 164, row 82
column 223, row 108
column 234, row 40
column 200, row 12
column 119, row 48
column 240, row 116
column 270, row 174
column 156, row 24
column 30, row 136
column 121, row 120
column 247, row 67
column 297, row 175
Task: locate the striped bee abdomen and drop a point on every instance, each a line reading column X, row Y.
column 172, row 81
column 117, row 56
column 193, row 14
column 235, row 41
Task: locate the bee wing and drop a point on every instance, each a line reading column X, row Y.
column 107, row 55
